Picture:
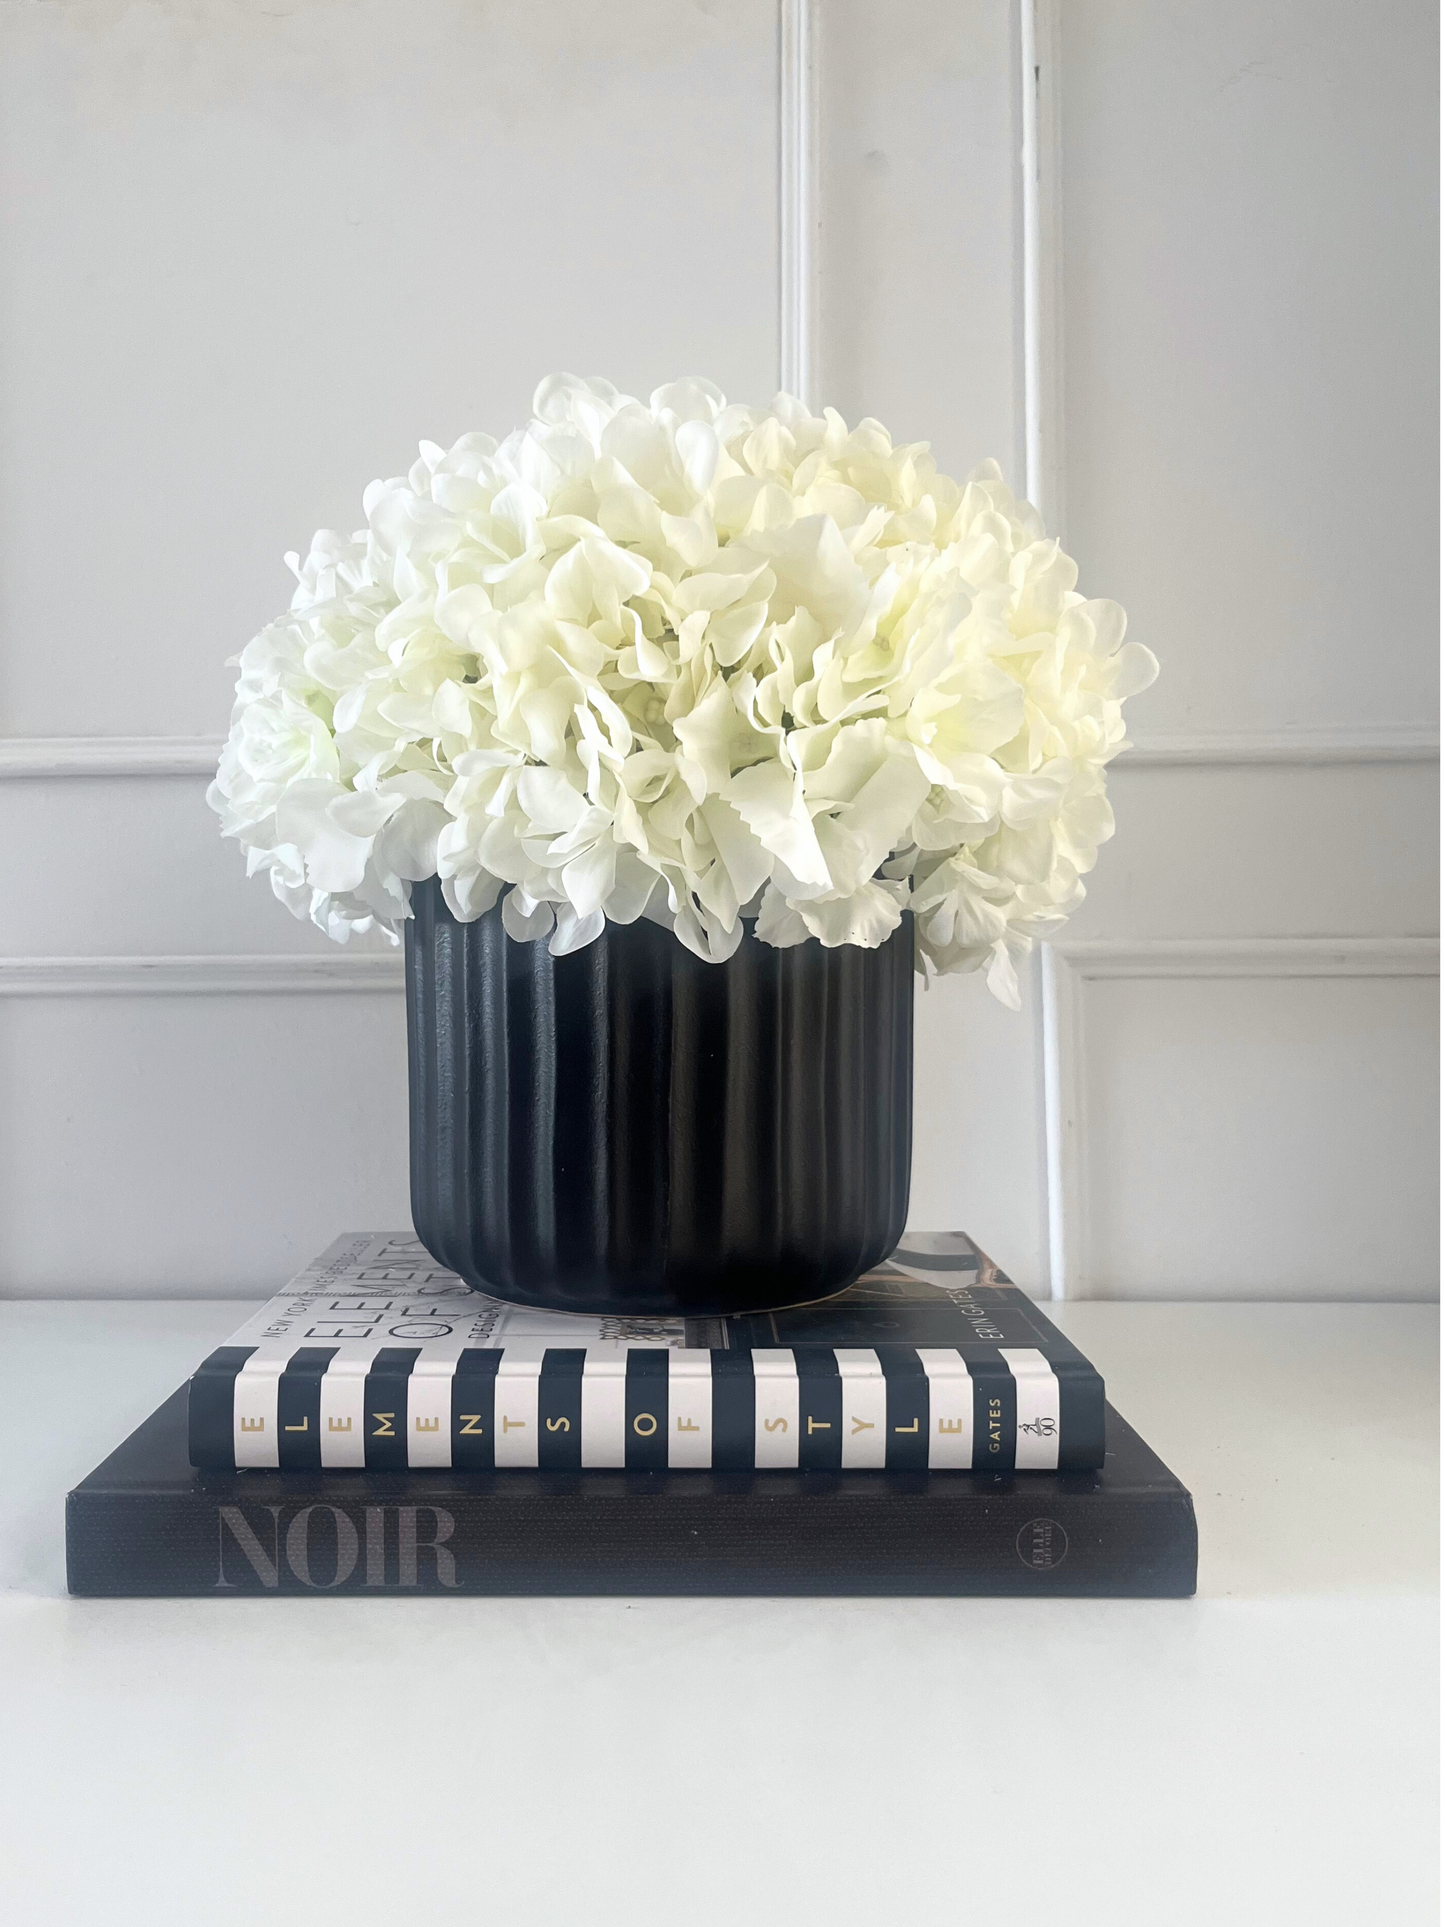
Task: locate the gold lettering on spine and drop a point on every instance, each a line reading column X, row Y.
column 860, row 1425
column 428, row 1424
column 559, row 1425
column 775, row 1425
column 950, row 1425
column 471, row 1423
column 687, row 1425
column 338, row 1425
column 510, row 1424
column 383, row 1425
column 303, row 1426
column 644, row 1425
column 820, row 1425
column 913, row 1427
column 253, row 1425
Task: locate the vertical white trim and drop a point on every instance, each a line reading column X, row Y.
column 1063, row 1109
column 1048, row 40
column 1042, row 332
column 1042, row 293
column 797, row 200
column 1029, row 164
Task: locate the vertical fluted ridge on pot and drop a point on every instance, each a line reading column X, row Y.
column 631, row 1129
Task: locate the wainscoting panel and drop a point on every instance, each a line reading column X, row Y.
column 203, row 1142
column 254, row 254
column 919, row 223
column 1244, row 1119
column 131, row 866
column 1249, row 424
column 978, row 1126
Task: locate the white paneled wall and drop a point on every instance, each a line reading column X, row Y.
column 1239, row 1115
column 1249, row 394
column 920, row 324
column 251, row 255
column 1240, row 231
column 147, row 1131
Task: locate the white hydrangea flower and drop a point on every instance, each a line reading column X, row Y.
column 691, row 661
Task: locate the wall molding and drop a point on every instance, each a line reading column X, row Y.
column 797, row 200
column 1070, row 965
column 114, row 756
column 1363, row 743
column 1103, row 958
column 1042, row 348
column 43, row 756
column 200, row 976
column 1041, row 248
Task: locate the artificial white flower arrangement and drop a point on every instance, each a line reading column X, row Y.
column 692, row 661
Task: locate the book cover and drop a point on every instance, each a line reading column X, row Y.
column 146, row 1523
column 376, row 1359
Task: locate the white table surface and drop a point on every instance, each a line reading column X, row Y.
column 1263, row 1753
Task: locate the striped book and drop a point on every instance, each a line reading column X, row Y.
column 376, row 1359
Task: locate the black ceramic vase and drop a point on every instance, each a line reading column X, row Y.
column 631, row 1130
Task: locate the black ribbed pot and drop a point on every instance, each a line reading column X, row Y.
column 631, row 1130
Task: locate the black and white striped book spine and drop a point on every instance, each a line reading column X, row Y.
column 377, row 1359
column 651, row 1407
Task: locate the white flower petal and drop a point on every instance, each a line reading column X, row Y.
column 747, row 862
column 778, row 922
column 769, row 799
column 671, row 658
column 471, row 896
column 550, row 800
column 575, row 932
column 525, row 921
column 588, row 878
column 1002, row 978
column 867, row 917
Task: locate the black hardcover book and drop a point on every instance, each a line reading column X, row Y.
column 927, row 1431
column 148, row 1523
column 376, row 1360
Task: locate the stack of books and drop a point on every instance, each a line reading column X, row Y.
column 380, row 1427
